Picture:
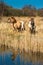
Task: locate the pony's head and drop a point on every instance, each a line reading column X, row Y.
column 12, row 20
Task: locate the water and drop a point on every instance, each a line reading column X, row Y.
column 12, row 57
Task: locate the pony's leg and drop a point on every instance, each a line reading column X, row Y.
column 19, row 29
column 30, row 30
column 33, row 29
column 24, row 27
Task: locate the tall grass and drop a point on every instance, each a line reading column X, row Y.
column 21, row 40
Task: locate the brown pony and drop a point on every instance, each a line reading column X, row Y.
column 12, row 20
column 16, row 25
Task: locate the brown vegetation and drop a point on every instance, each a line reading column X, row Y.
column 22, row 40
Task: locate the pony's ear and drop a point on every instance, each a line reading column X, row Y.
column 12, row 17
column 32, row 19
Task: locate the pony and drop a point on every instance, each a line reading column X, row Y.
column 31, row 26
column 16, row 25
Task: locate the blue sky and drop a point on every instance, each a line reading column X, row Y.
column 20, row 3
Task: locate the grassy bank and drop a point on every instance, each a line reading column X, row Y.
column 22, row 40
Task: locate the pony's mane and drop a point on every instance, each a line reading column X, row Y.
column 14, row 19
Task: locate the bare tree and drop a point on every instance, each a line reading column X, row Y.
column 1, row 7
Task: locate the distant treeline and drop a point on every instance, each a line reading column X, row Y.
column 27, row 10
